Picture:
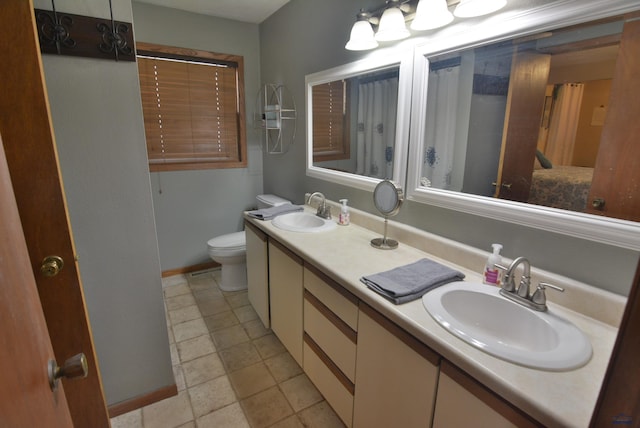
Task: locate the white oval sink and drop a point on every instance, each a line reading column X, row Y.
column 480, row 316
column 303, row 222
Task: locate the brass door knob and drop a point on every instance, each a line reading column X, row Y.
column 74, row 367
column 51, row 265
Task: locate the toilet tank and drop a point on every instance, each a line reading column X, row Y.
column 267, row 201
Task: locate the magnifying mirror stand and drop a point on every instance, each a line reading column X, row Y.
column 387, row 197
column 384, row 243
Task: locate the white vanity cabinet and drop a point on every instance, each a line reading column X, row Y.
column 285, row 296
column 396, row 375
column 462, row 401
column 371, row 371
column 330, row 337
column 258, row 271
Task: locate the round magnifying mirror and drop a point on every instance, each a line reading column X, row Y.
column 387, row 197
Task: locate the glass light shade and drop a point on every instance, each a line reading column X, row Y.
column 471, row 8
column 392, row 26
column 361, row 38
column 431, row 14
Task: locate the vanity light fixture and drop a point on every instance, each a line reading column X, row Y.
column 362, row 37
column 472, row 8
column 431, row 14
column 390, row 19
column 392, row 26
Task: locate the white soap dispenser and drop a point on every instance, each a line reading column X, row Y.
column 344, row 213
column 491, row 274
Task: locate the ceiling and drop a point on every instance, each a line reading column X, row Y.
column 253, row 11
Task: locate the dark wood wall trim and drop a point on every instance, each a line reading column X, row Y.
column 142, row 400
column 189, row 269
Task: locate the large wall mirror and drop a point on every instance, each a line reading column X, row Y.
column 358, row 120
column 534, row 127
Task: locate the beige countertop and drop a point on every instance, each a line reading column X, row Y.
column 553, row 398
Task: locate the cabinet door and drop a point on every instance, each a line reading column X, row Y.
column 462, row 401
column 285, row 295
column 258, row 271
column 396, row 375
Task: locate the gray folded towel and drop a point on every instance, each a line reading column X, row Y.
column 272, row 212
column 410, row 282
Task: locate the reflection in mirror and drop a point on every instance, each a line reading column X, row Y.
column 521, row 120
column 354, row 123
column 538, row 120
column 358, row 121
column 387, row 197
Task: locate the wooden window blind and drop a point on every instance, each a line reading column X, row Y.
column 330, row 121
column 193, row 108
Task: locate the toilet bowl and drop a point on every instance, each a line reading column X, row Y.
column 230, row 250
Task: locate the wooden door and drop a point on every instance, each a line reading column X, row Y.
column 29, row 145
column 26, row 400
column 616, row 177
column 525, row 102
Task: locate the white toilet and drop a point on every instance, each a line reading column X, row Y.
column 230, row 250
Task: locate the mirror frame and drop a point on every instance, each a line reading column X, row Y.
column 379, row 60
column 612, row 231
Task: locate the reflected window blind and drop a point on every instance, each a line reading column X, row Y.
column 191, row 112
column 330, row 118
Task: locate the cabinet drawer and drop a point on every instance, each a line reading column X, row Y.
column 332, row 335
column 337, row 392
column 333, row 295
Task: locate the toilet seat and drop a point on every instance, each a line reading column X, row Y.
column 229, row 244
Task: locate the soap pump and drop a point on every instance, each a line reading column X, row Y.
column 491, row 274
column 344, row 213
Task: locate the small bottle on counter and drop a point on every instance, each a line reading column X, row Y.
column 491, row 274
column 343, row 219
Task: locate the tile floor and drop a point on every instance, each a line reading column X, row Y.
column 230, row 371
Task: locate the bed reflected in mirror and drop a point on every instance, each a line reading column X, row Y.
column 522, row 119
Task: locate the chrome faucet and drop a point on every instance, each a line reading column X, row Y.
column 525, row 280
column 324, row 211
column 522, row 294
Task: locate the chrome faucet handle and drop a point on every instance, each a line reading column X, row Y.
column 324, row 211
column 539, row 297
column 507, row 282
column 523, row 287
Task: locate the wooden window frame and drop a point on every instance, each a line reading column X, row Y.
column 342, row 148
column 170, row 163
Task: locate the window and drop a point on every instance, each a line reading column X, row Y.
column 330, row 121
column 193, row 107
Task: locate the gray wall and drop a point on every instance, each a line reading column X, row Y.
column 192, row 207
column 321, row 29
column 97, row 120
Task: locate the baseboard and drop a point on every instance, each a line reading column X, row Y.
column 142, row 400
column 188, row 269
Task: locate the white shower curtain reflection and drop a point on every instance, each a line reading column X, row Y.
column 564, row 124
column 442, row 102
column 377, row 110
